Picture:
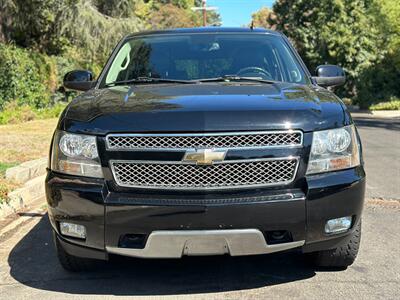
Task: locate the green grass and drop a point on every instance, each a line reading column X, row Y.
column 4, row 167
column 14, row 114
column 391, row 105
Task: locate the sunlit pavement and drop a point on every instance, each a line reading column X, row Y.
column 381, row 144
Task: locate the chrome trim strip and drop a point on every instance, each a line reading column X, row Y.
column 182, row 162
column 176, row 243
column 111, row 162
column 108, row 148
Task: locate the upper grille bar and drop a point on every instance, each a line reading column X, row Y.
column 186, row 141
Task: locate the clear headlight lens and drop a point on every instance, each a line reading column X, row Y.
column 75, row 154
column 334, row 149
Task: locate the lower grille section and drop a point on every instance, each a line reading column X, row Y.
column 220, row 175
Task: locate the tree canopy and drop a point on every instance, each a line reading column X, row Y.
column 358, row 35
column 89, row 28
column 264, row 17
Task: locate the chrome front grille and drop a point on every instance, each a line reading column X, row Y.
column 241, row 140
column 220, row 175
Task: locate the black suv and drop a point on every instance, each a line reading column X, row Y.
column 204, row 142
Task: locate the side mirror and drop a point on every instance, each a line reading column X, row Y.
column 79, row 80
column 329, row 75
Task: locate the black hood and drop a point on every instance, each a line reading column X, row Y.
column 204, row 107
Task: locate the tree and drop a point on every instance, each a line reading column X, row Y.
column 338, row 32
column 388, row 14
column 116, row 8
column 4, row 19
column 174, row 14
column 34, row 24
column 213, row 17
column 59, row 26
column 92, row 34
column 170, row 16
column 265, row 18
column 380, row 82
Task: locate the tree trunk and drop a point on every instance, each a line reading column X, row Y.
column 2, row 37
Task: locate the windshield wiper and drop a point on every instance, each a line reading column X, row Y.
column 229, row 78
column 226, row 78
column 145, row 80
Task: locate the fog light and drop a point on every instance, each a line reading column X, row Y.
column 338, row 225
column 73, row 230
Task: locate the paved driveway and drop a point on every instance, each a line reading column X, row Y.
column 381, row 143
column 29, row 270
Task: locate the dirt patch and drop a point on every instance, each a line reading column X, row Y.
column 5, row 185
column 383, row 203
column 26, row 141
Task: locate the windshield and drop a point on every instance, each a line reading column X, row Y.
column 205, row 56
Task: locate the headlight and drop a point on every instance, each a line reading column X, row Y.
column 334, row 149
column 75, row 154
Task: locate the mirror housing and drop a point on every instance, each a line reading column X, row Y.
column 79, row 80
column 329, row 75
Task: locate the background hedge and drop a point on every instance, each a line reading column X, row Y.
column 25, row 77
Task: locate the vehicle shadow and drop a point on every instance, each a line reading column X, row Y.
column 33, row 263
column 389, row 124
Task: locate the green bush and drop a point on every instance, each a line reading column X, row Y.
column 394, row 104
column 29, row 83
column 379, row 82
column 21, row 78
column 51, row 112
column 13, row 113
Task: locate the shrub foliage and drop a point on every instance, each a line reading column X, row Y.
column 23, row 77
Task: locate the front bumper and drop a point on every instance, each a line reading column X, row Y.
column 173, row 225
column 176, row 243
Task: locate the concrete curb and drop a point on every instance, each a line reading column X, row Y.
column 32, row 175
column 27, row 170
column 386, row 113
column 23, row 197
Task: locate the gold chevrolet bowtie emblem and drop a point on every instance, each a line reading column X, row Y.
column 204, row 156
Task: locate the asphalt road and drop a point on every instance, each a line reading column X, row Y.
column 381, row 145
column 29, row 267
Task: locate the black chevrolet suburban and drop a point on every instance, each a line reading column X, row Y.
column 205, row 141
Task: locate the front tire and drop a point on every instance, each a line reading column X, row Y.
column 342, row 256
column 73, row 263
